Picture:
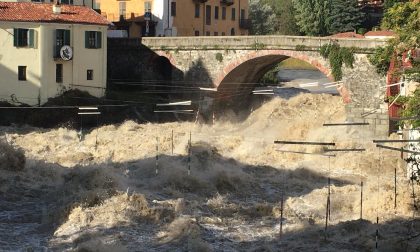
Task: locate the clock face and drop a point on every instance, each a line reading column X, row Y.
column 66, row 53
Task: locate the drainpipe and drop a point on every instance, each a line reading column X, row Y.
column 204, row 19
column 168, row 16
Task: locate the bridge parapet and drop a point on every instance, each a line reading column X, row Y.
column 300, row 43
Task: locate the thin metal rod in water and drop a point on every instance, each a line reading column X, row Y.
column 329, row 199
column 306, row 153
column 344, row 150
column 303, row 143
column 172, row 142
column 395, row 188
column 361, row 200
column 344, row 124
column 396, row 141
column 377, row 232
column 189, row 156
column 329, row 188
column 157, row 155
column 404, row 118
column 281, row 212
column 89, row 113
column 397, row 149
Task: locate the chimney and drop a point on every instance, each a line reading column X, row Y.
column 57, row 7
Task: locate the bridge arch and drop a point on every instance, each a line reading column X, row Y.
column 257, row 63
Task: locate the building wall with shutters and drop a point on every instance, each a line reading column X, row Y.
column 40, row 61
column 12, row 57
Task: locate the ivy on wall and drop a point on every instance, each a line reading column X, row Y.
column 336, row 56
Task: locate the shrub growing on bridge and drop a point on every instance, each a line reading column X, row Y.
column 336, row 56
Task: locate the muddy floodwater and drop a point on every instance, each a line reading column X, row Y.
column 132, row 187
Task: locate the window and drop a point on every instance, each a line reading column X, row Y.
column 147, row 6
column 22, row 73
column 242, row 14
column 59, row 73
column 223, row 34
column 197, row 33
column 23, row 37
column 233, row 13
column 62, row 38
column 223, row 13
column 122, row 8
column 216, row 12
column 208, row 15
column 207, row 33
column 197, row 10
column 89, row 74
column 62, row 1
column 93, row 39
column 216, row 34
column 173, row 9
column 232, row 32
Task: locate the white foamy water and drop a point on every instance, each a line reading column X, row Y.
column 76, row 195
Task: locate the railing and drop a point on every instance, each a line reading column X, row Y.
column 260, row 42
column 245, row 24
column 227, row 2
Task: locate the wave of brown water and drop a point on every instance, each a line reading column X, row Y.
column 103, row 194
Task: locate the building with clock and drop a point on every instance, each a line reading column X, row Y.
column 47, row 49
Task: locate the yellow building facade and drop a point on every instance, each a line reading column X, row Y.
column 178, row 17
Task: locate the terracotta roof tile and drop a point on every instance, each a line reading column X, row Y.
column 42, row 13
column 380, row 33
column 347, row 35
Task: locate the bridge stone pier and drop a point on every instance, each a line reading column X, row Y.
column 234, row 64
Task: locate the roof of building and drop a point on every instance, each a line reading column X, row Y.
column 347, row 35
column 43, row 13
column 380, row 34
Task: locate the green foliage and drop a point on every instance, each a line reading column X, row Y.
column 337, row 56
column 343, row 16
column 259, row 46
column 301, row 48
column 270, row 77
column 361, row 31
column 404, row 18
column 285, row 22
column 322, row 17
column 311, row 16
column 262, row 18
column 411, row 108
column 390, row 3
column 219, row 57
column 272, row 17
column 382, row 58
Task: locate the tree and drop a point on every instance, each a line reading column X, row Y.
column 344, row 15
column 390, row 3
column 285, row 17
column 262, row 17
column 311, row 16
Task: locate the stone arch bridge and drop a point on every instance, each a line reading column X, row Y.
column 229, row 63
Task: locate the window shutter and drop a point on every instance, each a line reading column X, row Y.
column 67, row 37
column 15, row 37
column 98, row 39
column 31, row 38
column 55, row 43
column 86, row 39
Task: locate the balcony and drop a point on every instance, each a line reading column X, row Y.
column 226, row 2
column 245, row 24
